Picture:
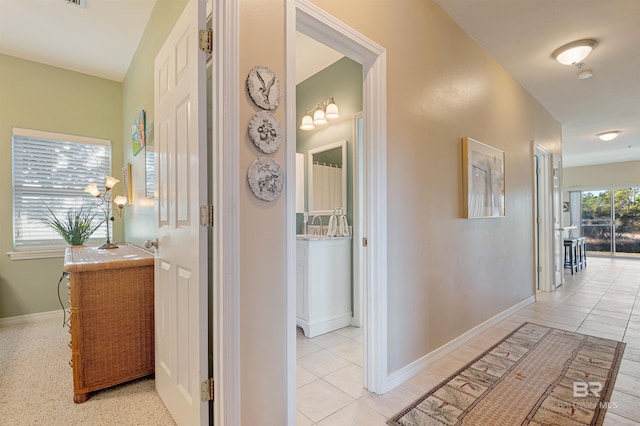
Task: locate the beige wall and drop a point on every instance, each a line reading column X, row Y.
column 601, row 176
column 447, row 274
column 41, row 97
column 262, row 232
column 137, row 95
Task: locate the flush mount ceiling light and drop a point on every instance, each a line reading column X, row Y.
column 608, row 136
column 575, row 52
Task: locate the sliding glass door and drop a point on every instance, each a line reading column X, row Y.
column 610, row 220
column 627, row 221
column 597, row 222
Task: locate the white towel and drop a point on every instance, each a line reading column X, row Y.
column 343, row 226
column 332, row 226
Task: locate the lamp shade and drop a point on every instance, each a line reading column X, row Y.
column 332, row 110
column 92, row 189
column 110, row 182
column 120, row 201
column 319, row 118
column 574, row 52
column 307, row 122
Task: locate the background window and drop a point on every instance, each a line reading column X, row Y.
column 611, row 220
column 52, row 170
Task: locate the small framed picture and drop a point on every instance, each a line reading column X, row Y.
column 137, row 133
column 483, row 180
column 126, row 183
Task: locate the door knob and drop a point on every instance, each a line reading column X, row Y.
column 151, row 243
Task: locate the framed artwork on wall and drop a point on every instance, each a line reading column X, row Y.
column 126, row 183
column 137, row 133
column 483, row 180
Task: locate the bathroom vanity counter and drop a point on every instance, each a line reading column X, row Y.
column 323, row 284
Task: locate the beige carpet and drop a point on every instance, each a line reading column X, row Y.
column 36, row 384
column 528, row 378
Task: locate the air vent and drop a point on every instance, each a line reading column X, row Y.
column 79, row 3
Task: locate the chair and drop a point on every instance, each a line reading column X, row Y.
column 582, row 252
column 571, row 254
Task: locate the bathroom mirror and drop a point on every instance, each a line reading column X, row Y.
column 327, row 179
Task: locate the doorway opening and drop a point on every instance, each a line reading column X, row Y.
column 304, row 17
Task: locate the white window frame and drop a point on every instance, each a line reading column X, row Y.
column 48, row 249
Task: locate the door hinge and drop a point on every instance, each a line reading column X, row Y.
column 539, row 268
column 538, row 219
column 207, row 390
column 206, row 41
column 365, row 242
column 538, row 171
column 206, row 216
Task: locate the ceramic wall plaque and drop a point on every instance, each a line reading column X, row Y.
column 266, row 178
column 263, row 87
column 264, row 132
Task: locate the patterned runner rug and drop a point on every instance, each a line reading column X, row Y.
column 534, row 376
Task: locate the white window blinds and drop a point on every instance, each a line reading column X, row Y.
column 51, row 170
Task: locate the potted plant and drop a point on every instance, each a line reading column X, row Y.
column 76, row 226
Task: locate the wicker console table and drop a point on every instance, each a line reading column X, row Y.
column 111, row 316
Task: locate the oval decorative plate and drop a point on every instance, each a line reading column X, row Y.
column 264, row 132
column 266, row 178
column 263, row 87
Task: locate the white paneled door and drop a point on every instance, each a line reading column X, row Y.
column 181, row 267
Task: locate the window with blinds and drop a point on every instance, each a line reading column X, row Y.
column 51, row 170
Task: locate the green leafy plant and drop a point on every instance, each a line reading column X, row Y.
column 76, row 227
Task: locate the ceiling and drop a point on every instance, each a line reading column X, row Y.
column 99, row 39
column 102, row 38
column 522, row 34
column 312, row 57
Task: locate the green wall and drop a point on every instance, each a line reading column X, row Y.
column 137, row 95
column 343, row 81
column 41, row 97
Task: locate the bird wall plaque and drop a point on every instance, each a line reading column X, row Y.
column 263, row 87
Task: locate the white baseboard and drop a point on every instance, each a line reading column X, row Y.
column 405, row 373
column 29, row 318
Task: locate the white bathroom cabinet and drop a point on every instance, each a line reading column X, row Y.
column 323, row 283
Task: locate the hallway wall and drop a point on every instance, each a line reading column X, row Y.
column 447, row 274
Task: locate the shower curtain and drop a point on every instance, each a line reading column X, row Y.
column 327, row 187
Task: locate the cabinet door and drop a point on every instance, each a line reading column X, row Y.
column 302, row 285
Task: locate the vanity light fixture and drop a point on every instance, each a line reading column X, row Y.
column 608, row 136
column 321, row 113
column 575, row 52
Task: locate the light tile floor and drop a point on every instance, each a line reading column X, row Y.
column 601, row 300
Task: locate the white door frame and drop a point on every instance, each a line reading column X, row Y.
column 225, row 184
column 558, row 240
column 542, row 204
column 303, row 16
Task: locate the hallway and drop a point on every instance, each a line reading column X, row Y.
column 602, row 300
